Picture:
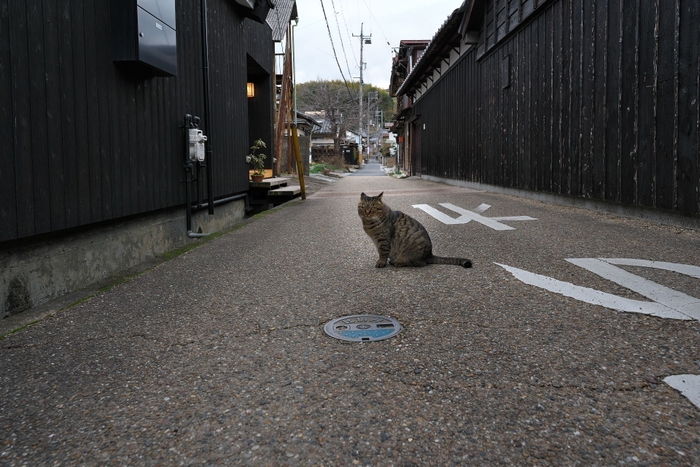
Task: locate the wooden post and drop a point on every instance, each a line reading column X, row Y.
column 290, row 150
column 297, row 155
column 284, row 104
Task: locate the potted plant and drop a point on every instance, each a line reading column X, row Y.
column 258, row 160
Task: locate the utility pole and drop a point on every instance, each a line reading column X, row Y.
column 363, row 40
column 371, row 97
column 379, row 118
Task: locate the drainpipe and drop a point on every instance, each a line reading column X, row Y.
column 207, row 104
column 243, row 196
column 188, row 200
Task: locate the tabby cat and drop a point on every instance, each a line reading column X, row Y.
column 398, row 237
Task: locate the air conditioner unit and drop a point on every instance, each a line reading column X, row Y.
column 143, row 34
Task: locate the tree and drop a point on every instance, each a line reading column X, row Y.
column 385, row 103
column 380, row 108
column 340, row 103
column 337, row 101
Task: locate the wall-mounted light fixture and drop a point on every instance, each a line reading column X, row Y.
column 251, row 89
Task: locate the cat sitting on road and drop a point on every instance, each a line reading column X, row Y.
column 398, row 237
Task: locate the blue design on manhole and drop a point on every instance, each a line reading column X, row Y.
column 362, row 328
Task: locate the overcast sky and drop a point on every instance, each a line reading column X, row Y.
column 388, row 21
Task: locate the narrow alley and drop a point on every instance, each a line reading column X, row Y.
column 200, row 362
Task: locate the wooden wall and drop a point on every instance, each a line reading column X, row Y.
column 87, row 141
column 591, row 98
column 501, row 17
column 450, row 141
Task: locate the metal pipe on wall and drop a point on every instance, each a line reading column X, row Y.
column 207, row 104
column 188, row 201
column 243, row 196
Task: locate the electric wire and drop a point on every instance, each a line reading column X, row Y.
column 379, row 25
column 340, row 36
column 349, row 35
column 330, row 35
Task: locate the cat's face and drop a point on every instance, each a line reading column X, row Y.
column 370, row 206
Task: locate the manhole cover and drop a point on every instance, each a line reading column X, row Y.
column 362, row 328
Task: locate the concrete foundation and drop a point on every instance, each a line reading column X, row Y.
column 36, row 271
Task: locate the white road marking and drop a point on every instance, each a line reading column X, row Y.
column 441, row 216
column 595, row 297
column 687, row 269
column 467, row 216
column 666, row 296
column 666, row 302
column 482, row 207
column 688, row 385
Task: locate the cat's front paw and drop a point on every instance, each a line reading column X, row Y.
column 380, row 263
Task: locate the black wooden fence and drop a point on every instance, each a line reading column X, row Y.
column 591, row 98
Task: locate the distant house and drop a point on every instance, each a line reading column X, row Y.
column 306, row 125
column 323, row 139
column 559, row 99
column 97, row 100
column 408, row 54
column 353, row 137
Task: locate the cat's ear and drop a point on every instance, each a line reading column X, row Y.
column 379, row 196
column 363, row 196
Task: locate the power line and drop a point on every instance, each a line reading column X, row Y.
column 347, row 30
column 340, row 36
column 375, row 20
column 334, row 52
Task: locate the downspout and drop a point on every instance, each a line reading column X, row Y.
column 188, row 200
column 243, row 196
column 207, row 105
column 190, row 123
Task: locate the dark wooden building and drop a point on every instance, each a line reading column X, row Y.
column 93, row 99
column 588, row 99
column 90, row 139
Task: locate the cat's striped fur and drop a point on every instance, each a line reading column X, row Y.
column 399, row 238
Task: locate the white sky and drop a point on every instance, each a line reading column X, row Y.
column 389, row 22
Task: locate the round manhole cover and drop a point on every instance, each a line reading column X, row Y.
column 362, row 328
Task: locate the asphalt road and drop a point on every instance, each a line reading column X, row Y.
column 219, row 357
column 371, row 168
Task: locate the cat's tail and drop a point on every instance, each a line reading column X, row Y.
column 464, row 262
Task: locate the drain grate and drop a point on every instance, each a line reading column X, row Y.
column 363, row 328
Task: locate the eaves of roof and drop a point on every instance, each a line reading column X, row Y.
column 400, row 62
column 406, row 43
column 324, row 127
column 446, row 38
column 279, row 17
column 401, row 116
column 315, row 124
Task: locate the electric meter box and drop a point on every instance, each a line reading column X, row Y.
column 196, row 139
column 143, row 35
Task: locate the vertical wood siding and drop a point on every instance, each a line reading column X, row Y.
column 452, row 127
column 85, row 141
column 602, row 103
